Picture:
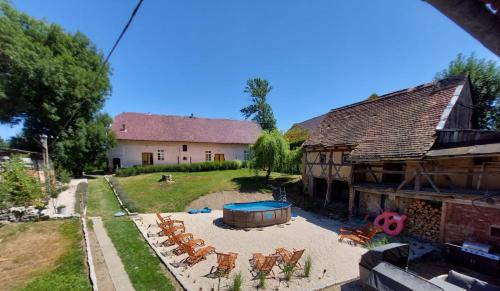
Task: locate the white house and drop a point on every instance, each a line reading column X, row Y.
column 148, row 139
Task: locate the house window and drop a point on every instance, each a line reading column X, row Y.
column 322, row 158
column 345, row 158
column 246, row 155
column 184, row 158
column 208, row 156
column 184, row 147
column 161, row 155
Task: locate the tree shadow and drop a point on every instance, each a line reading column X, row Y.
column 259, row 184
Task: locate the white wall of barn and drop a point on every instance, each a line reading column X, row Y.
column 130, row 152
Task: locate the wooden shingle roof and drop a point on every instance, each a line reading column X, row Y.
column 399, row 125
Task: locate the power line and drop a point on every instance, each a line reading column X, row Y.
column 103, row 65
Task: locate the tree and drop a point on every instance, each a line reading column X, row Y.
column 84, row 147
column 269, row 152
column 485, row 80
column 3, row 143
column 373, row 96
column 259, row 108
column 296, row 136
column 52, row 81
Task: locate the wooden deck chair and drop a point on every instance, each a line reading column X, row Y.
column 361, row 235
column 166, row 220
column 225, row 263
column 290, row 257
column 196, row 255
column 169, row 232
column 182, row 239
column 263, row 264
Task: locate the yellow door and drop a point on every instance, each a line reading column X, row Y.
column 219, row 158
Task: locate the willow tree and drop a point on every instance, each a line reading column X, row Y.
column 269, row 152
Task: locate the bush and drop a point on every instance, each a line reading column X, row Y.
column 18, row 187
column 62, row 175
column 127, row 202
column 194, row 167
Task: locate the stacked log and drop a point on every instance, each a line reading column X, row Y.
column 423, row 220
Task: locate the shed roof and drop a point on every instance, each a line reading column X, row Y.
column 151, row 127
column 399, row 125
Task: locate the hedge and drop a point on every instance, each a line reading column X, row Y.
column 194, row 167
column 127, row 202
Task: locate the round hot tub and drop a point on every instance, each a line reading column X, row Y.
column 257, row 214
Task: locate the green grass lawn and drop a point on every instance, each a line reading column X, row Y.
column 151, row 196
column 69, row 272
column 142, row 266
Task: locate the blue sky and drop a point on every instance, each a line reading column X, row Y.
column 183, row 57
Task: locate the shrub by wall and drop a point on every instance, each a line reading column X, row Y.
column 194, row 167
column 127, row 202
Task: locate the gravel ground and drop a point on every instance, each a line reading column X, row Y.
column 333, row 262
column 66, row 198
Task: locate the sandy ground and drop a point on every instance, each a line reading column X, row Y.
column 332, row 262
column 218, row 199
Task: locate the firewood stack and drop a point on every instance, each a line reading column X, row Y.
column 423, row 220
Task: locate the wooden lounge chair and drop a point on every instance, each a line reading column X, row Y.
column 168, row 231
column 181, row 238
column 225, row 263
column 196, row 255
column 359, row 236
column 167, row 222
column 263, row 264
column 290, row 257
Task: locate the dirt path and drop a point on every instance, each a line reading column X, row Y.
column 218, row 199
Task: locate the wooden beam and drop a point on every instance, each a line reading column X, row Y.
column 370, row 170
column 480, row 177
column 429, row 179
column 405, row 181
column 329, row 180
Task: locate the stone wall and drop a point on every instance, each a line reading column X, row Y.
column 466, row 222
column 21, row 214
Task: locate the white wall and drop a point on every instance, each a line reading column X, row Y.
column 130, row 152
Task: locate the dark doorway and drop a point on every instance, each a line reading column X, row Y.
column 147, row 159
column 340, row 191
column 116, row 163
column 320, row 186
column 393, row 178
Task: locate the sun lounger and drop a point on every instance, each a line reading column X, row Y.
column 225, row 263
column 263, row 264
column 290, row 257
column 359, row 236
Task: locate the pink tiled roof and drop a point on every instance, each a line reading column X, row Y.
column 397, row 125
column 150, row 127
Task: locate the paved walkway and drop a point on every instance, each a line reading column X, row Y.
column 120, row 279
column 66, row 198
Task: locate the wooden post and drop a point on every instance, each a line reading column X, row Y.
column 329, row 179
column 442, row 224
column 417, row 179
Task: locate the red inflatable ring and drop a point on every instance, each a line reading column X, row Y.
column 387, row 220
